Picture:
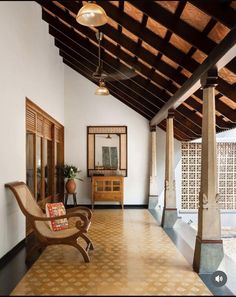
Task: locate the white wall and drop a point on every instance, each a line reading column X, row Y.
column 30, row 66
column 82, row 109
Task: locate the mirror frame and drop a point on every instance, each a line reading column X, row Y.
column 123, row 150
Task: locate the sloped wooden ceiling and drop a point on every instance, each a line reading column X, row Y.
column 164, row 41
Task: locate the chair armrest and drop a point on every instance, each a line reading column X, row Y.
column 85, row 229
column 83, row 218
column 83, row 208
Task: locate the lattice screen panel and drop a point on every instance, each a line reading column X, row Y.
column 191, row 174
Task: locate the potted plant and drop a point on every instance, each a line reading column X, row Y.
column 71, row 172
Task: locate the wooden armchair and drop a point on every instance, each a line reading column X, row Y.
column 39, row 221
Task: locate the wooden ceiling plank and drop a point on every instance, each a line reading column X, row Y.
column 77, row 57
column 170, row 51
column 220, row 11
column 73, row 36
column 59, row 26
column 176, row 55
column 49, row 18
column 151, row 38
column 225, row 88
column 82, row 69
column 181, row 28
column 90, row 36
column 190, row 126
column 178, row 11
column 219, row 57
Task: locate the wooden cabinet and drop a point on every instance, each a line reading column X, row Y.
column 44, row 156
column 108, row 188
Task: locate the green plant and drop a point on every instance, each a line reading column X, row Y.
column 71, row 172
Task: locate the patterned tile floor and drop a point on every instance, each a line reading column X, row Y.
column 132, row 256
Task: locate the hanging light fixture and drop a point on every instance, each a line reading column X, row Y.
column 92, row 14
column 108, row 136
column 102, row 90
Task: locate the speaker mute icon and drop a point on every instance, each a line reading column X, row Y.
column 219, row 278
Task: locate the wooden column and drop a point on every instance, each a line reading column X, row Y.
column 169, row 212
column 153, row 197
column 209, row 248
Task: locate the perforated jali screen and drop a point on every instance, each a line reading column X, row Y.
column 191, row 174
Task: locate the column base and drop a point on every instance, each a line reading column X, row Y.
column 152, row 201
column 208, row 255
column 169, row 217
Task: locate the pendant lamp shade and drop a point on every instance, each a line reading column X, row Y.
column 91, row 14
column 102, row 89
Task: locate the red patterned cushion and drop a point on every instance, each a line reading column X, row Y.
column 54, row 210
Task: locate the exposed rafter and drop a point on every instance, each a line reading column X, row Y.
column 167, row 49
column 162, row 62
column 219, row 57
column 220, row 11
column 80, row 52
column 160, row 80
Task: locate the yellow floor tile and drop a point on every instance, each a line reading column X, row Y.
column 132, row 256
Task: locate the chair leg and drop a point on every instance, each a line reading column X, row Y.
column 88, row 241
column 82, row 251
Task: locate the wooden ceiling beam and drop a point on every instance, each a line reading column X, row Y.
column 180, row 28
column 224, row 109
column 185, row 112
column 180, row 7
column 226, row 89
column 220, row 123
column 112, row 48
column 106, row 45
column 219, row 57
column 149, row 37
column 152, row 88
column 87, row 69
column 131, row 46
column 219, row 10
column 84, row 58
column 189, row 115
column 154, row 40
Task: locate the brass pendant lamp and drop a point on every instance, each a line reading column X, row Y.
column 92, row 14
column 102, row 89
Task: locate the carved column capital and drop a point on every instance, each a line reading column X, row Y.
column 210, row 78
column 153, row 128
column 171, row 114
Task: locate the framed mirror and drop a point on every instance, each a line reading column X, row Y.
column 107, row 150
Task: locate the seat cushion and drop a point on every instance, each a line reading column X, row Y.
column 54, row 210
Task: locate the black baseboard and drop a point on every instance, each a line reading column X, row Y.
column 112, row 206
column 10, row 255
